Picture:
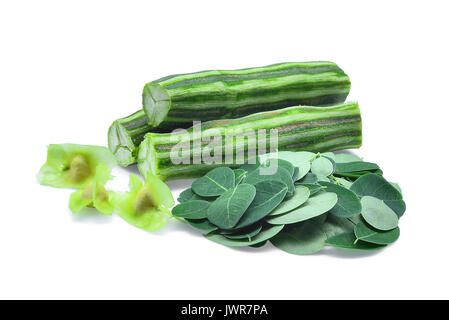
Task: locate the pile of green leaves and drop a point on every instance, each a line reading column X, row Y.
column 306, row 201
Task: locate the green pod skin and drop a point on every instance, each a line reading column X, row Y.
column 126, row 134
column 228, row 94
column 301, row 128
column 175, row 101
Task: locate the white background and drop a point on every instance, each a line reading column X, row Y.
column 69, row 68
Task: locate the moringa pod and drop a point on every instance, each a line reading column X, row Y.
column 316, row 129
column 178, row 100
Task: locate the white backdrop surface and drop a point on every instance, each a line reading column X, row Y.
column 69, row 68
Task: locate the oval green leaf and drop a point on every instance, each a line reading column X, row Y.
column 251, row 165
column 301, row 238
column 349, row 241
column 313, row 207
column 228, row 208
column 322, row 167
column 366, row 233
column 346, row 157
column 215, row 182
column 309, row 178
column 343, row 182
column 202, row 224
column 300, row 159
column 398, row 206
column 377, row 214
column 259, row 244
column 334, row 226
column 194, row 209
column 348, row 203
column 269, row 194
column 375, row 186
column 186, row 195
column 302, row 193
column 239, row 174
column 280, row 174
column 329, row 155
column 265, row 234
column 281, row 163
column 357, row 166
column 245, row 233
column 295, row 174
column 396, row 186
column 295, row 158
column 313, row 188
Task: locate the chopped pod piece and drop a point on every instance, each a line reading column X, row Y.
column 146, row 206
column 73, row 165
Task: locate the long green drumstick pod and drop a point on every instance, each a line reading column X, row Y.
column 175, row 101
column 316, row 129
column 220, row 94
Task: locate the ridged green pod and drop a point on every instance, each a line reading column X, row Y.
column 316, row 129
column 220, row 94
column 175, row 101
column 126, row 134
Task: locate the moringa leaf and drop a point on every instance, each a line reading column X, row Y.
column 313, row 188
column 301, row 195
column 367, row 233
column 323, row 179
column 349, row 241
column 295, row 158
column 329, row 155
column 375, row 186
column 396, row 186
column 215, row 182
column 247, row 233
column 281, row 163
column 334, row 226
column 228, row 208
column 377, row 214
column 250, row 166
column 187, row 195
column 303, row 169
column 322, row 167
column 313, row 207
column 202, row 224
column 309, row 178
column 194, row 209
column 300, row 159
column 280, row 175
column 355, row 175
column 266, row 233
column 301, row 238
column 357, row 166
column 348, row 203
column 295, row 174
column 269, row 194
column 346, row 157
column 398, row 206
column 259, row 244
column 343, row 182
column 239, row 174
